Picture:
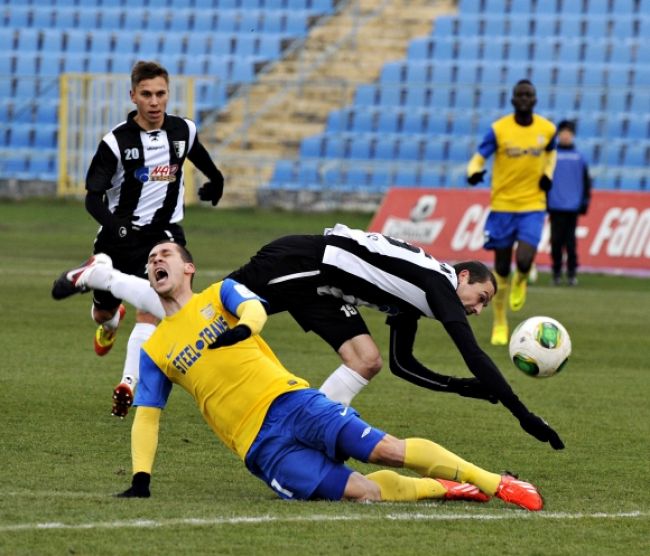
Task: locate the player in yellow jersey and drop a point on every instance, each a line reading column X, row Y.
column 291, row 436
column 523, row 145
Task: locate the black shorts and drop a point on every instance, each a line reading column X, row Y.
column 130, row 256
column 286, row 273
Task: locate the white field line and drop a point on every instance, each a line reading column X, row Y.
column 259, row 519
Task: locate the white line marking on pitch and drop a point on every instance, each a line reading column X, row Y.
column 246, row 520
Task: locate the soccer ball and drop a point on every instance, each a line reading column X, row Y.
column 540, row 347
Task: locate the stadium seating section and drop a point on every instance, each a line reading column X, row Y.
column 223, row 42
column 419, row 124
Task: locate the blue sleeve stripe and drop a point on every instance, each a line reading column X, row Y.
column 154, row 387
column 233, row 294
column 489, row 144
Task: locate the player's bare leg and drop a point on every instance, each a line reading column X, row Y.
column 361, row 361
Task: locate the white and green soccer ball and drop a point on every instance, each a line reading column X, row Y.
column 540, row 347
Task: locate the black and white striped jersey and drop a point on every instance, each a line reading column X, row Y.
column 371, row 269
column 140, row 173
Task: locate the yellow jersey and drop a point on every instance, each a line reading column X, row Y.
column 233, row 386
column 522, row 154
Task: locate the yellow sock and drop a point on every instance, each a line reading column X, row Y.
column 398, row 488
column 499, row 300
column 432, row 460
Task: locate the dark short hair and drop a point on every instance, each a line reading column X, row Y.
column 522, row 82
column 147, row 70
column 567, row 124
column 478, row 272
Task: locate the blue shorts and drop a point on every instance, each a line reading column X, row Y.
column 503, row 229
column 300, row 449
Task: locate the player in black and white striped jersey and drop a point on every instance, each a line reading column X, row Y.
column 135, row 190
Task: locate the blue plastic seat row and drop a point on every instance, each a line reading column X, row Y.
column 291, row 21
column 561, row 7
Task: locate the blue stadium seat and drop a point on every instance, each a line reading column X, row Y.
column 437, row 123
column 572, row 27
column 270, row 46
column 565, row 100
column 641, row 76
column 409, row 148
column 593, row 76
column 406, row 176
column 74, row 63
column 18, row 16
column 88, row 18
column 521, row 7
column 337, row 121
column 365, row 95
column 459, row 150
column 242, row 70
column 420, row 48
column 418, row 72
column 356, row 179
column 494, row 26
column 413, row 122
column 441, row 97
column 172, row 44
column 588, row 125
column 245, row 45
column 462, row 123
column 363, row 120
column 620, row 53
column 25, row 64
column 469, row 7
column 444, row 26
column 308, row 173
column 431, row 177
column 45, row 136
column 567, row 75
column 570, row 52
column 545, row 26
column 335, row 146
column 283, row 172
column 468, row 27
column 49, row 63
column 52, row 40
column 638, row 127
column 467, row 73
column 468, row 50
column 518, row 49
column 495, row 6
column 635, row 155
column 623, row 28
column 639, row 103
column 381, row 178
column 21, row 136
column 384, row 148
column 591, row 100
column 595, row 52
column 296, row 23
column 27, row 40
column 618, row 76
column 181, row 21
column 360, row 147
column 417, row 96
column 596, row 27
column 390, row 95
column 434, row 149
column 99, row 63
column 392, row 72
column 312, row 147
column 388, row 121
column 76, row 41
column 443, row 73
column 110, row 19
column 571, row 8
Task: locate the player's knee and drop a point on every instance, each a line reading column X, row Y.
column 361, row 489
column 100, row 316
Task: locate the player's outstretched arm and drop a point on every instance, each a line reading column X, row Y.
column 483, row 368
column 403, row 364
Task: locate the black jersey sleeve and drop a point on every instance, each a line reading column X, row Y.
column 199, row 156
column 483, row 368
column 403, row 364
column 101, row 170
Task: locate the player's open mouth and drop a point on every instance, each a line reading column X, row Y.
column 160, row 274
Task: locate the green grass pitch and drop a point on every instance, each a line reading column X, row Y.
column 63, row 455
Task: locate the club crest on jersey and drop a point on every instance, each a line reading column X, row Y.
column 179, row 147
column 161, row 172
column 208, row 311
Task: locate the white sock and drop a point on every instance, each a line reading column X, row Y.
column 139, row 335
column 132, row 289
column 343, row 384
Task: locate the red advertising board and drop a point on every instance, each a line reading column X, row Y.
column 613, row 237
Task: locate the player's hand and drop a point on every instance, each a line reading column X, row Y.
column 232, row 336
column 122, row 229
column 212, row 190
column 139, row 487
column 540, row 429
column 545, row 183
column 476, row 177
column 472, row 388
